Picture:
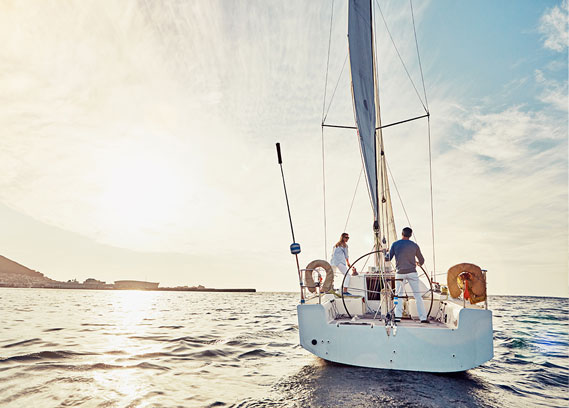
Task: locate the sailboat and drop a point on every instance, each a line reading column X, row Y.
column 361, row 329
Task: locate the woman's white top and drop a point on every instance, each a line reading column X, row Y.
column 339, row 256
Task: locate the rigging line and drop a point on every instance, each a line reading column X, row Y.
column 324, row 198
column 335, row 89
column 400, row 199
column 328, row 61
column 418, row 55
column 404, row 121
column 379, row 127
column 340, row 126
column 386, row 208
column 400, row 58
column 431, row 188
column 383, row 189
column 365, row 263
column 353, row 198
column 388, row 213
column 441, row 273
column 323, row 156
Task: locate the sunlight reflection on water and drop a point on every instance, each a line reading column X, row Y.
column 128, row 348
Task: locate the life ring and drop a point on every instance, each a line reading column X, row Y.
column 309, row 280
column 472, row 282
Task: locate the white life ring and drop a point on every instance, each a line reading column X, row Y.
column 309, row 280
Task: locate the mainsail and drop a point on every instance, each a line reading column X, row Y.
column 360, row 41
column 366, row 106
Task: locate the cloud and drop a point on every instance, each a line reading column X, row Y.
column 554, row 93
column 501, row 186
column 554, row 27
column 177, row 106
column 112, row 112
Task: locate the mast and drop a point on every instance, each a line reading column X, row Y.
column 377, row 140
column 377, row 116
column 386, row 231
column 365, row 94
column 360, row 42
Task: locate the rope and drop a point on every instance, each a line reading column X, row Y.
column 400, row 58
column 353, row 199
column 425, row 106
column 323, row 109
column 324, row 198
column 400, row 199
column 328, row 61
column 418, row 55
column 335, row 88
column 429, row 135
column 431, row 189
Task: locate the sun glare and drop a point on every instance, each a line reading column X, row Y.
column 142, row 190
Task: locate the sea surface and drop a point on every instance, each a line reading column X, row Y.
column 87, row 348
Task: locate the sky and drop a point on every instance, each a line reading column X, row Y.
column 137, row 138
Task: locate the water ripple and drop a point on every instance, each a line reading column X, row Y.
column 241, row 350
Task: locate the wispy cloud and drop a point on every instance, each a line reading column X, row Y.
column 554, row 27
column 554, row 93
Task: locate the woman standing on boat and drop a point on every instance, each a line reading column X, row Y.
column 340, row 259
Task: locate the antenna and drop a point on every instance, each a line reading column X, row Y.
column 294, row 247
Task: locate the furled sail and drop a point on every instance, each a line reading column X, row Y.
column 360, row 43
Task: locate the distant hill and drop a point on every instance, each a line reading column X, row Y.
column 9, row 266
column 14, row 274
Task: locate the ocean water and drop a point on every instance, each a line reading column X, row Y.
column 82, row 348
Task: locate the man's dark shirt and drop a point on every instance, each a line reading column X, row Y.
column 405, row 252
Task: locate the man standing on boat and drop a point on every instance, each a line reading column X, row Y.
column 407, row 255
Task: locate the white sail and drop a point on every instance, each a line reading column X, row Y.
column 360, row 41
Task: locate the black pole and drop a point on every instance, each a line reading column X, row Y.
column 294, row 248
column 284, row 185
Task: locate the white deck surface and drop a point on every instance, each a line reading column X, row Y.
column 368, row 320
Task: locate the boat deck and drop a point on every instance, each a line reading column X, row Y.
column 368, row 320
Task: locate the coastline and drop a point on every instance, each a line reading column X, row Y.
column 15, row 275
column 111, row 287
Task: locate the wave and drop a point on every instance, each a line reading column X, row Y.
column 24, row 342
column 98, row 366
column 181, row 357
column 211, row 353
column 258, row 353
column 45, row 355
column 517, row 344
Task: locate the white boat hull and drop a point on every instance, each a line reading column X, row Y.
column 462, row 343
